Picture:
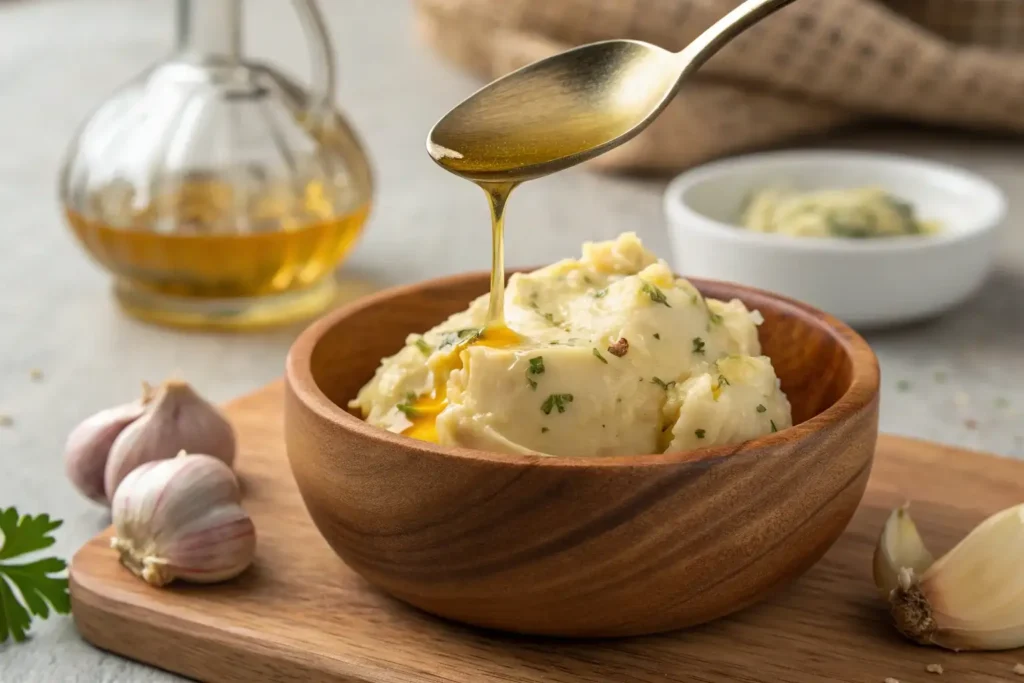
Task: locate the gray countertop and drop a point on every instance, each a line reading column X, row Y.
column 60, row 58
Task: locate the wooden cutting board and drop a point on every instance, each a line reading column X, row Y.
column 299, row 614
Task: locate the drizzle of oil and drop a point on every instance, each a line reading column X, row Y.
column 497, row 198
column 423, row 412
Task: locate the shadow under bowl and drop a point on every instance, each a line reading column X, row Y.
column 579, row 547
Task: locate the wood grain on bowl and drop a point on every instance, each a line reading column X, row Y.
column 577, row 546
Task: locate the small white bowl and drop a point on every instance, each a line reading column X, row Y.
column 867, row 283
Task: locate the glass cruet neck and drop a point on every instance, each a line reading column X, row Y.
column 210, row 29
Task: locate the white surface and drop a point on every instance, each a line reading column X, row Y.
column 60, row 58
column 868, row 283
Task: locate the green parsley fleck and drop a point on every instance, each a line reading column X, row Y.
column 550, row 317
column 423, row 346
column 699, row 433
column 903, row 385
column 656, row 295
column 657, row 336
column 586, row 279
column 715, row 318
column 466, row 336
column 536, row 368
column 544, row 430
column 698, row 345
column 761, row 408
column 555, row 402
column 597, row 354
column 723, row 381
column 409, row 410
column 774, row 428
column 661, row 383
column 601, row 293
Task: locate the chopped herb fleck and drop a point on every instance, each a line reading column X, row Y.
column 618, row 400
column 544, row 430
column 536, row 368
column 423, row 346
column 410, row 396
column 761, row 408
column 586, row 278
column 723, row 381
column 715, row 318
column 698, row 345
column 555, row 402
column 408, row 409
column 774, row 428
column 657, row 336
column 656, row 295
column 695, row 298
column 597, row 354
column 550, row 317
column 661, row 383
column 601, row 293
column 699, row 433
column 619, row 348
column 467, row 335
column 903, row 385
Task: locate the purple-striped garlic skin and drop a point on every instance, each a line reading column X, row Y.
column 182, row 519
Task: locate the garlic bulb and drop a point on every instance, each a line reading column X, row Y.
column 176, row 419
column 88, row 444
column 971, row 598
column 181, row 519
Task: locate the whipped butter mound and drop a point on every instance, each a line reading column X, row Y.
column 609, row 355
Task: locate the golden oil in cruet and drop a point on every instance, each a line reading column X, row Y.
column 217, row 191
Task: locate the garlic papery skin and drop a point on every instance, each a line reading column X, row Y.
column 899, row 546
column 88, row 446
column 182, row 519
column 176, row 419
column 971, row 598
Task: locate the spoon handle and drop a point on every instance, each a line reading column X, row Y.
column 722, row 31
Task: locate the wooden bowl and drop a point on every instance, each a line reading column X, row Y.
column 579, row 546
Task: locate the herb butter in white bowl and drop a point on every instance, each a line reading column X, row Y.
column 936, row 258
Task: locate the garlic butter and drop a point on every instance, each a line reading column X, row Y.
column 858, row 213
column 607, row 355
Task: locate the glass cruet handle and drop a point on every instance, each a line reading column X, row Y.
column 321, row 57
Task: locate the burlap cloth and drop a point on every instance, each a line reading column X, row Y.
column 812, row 67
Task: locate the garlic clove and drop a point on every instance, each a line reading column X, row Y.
column 181, row 519
column 176, row 419
column 899, row 546
column 88, row 445
column 972, row 598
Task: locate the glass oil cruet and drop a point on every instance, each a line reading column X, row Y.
column 216, row 190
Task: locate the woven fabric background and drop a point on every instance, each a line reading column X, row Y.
column 813, row 66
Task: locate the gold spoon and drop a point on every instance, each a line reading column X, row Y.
column 571, row 107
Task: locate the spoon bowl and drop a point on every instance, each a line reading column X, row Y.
column 573, row 106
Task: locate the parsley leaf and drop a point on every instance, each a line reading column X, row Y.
column 466, row 335
column 774, row 428
column 597, row 354
column 661, row 383
column 600, row 294
column 536, row 368
column 761, row 408
column 423, row 346
column 555, row 402
column 656, row 295
column 714, row 317
column 657, row 336
column 699, row 433
column 23, row 534
column 698, row 345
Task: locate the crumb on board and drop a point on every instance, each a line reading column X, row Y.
column 36, row 374
column 934, row 668
column 1018, row 669
column 6, row 421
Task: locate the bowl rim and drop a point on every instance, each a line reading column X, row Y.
column 990, row 215
column 862, row 392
